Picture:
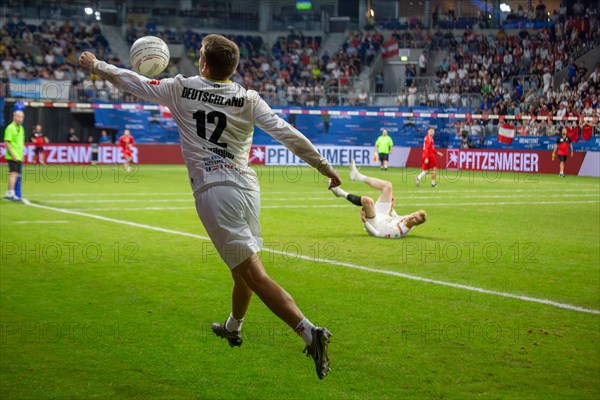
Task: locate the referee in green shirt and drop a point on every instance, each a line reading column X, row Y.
column 383, row 147
column 14, row 141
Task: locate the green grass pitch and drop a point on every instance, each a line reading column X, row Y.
column 108, row 287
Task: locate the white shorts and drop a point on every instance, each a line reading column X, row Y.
column 382, row 212
column 230, row 216
column 383, row 208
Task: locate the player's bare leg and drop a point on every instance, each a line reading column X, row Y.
column 250, row 276
column 421, row 176
column 12, row 181
column 433, row 174
column 127, row 165
column 562, row 168
column 253, row 274
column 240, row 297
column 240, row 300
column 368, row 210
column 385, row 187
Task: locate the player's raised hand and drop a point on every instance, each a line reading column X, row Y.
column 86, row 59
column 327, row 170
column 334, row 179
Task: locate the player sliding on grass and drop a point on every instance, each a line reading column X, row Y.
column 216, row 119
column 379, row 218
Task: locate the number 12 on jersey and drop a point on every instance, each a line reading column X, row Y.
column 216, row 118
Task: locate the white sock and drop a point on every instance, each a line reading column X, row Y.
column 360, row 177
column 433, row 181
column 10, row 193
column 341, row 192
column 233, row 325
column 304, row 329
column 422, row 175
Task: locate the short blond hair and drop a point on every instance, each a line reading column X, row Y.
column 422, row 216
column 221, row 55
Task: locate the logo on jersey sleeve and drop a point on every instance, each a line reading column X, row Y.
column 258, row 155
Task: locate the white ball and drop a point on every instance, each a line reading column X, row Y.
column 149, row 55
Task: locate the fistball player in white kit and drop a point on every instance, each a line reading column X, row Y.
column 216, row 119
column 379, row 217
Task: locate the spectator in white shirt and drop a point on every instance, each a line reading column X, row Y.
column 562, row 110
column 401, row 99
column 422, row 64
column 412, row 95
column 7, row 63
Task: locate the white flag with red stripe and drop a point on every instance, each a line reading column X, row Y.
column 390, row 48
column 506, row 133
column 165, row 112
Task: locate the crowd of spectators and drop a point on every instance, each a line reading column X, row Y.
column 512, row 74
column 49, row 50
column 578, row 97
column 297, row 70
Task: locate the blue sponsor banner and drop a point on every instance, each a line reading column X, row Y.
column 540, row 143
column 40, row 89
column 362, row 130
column 146, row 126
column 157, row 126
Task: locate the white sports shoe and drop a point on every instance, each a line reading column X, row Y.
column 354, row 174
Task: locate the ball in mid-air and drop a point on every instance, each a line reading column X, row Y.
column 149, row 55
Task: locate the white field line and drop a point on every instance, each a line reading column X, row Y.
column 135, row 208
column 505, row 203
column 417, row 204
column 340, row 264
column 329, row 198
column 43, row 222
column 107, row 194
column 320, row 192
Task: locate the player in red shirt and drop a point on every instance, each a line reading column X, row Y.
column 126, row 142
column 429, row 160
column 563, row 143
column 38, row 139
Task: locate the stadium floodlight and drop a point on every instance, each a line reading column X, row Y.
column 97, row 13
column 505, row 7
column 98, row 18
column 88, row 10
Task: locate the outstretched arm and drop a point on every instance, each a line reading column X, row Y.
column 152, row 90
column 294, row 140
